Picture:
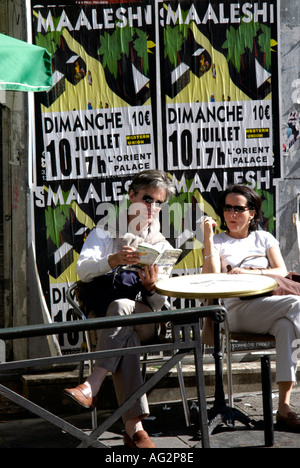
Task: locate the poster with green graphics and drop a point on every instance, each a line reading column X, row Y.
column 189, row 87
column 93, row 129
column 219, row 63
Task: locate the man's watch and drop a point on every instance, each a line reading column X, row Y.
column 150, row 293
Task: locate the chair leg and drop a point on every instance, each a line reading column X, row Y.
column 94, row 414
column 186, row 409
column 144, row 368
column 229, row 367
column 94, row 419
column 81, row 372
column 267, row 400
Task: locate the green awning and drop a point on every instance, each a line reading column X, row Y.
column 23, row 66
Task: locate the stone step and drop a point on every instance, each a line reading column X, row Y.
column 46, row 389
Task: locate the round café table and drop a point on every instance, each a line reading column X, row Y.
column 218, row 286
column 215, row 286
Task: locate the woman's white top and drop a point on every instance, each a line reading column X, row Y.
column 232, row 251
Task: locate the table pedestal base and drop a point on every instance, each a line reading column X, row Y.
column 221, row 413
column 228, row 416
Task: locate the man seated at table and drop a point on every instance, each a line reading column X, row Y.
column 103, row 252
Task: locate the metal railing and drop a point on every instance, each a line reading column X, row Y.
column 186, row 339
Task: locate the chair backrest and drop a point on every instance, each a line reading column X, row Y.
column 252, row 337
column 70, row 295
column 251, row 341
column 82, row 312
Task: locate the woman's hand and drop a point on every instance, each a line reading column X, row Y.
column 149, row 277
column 238, row 270
column 126, row 256
column 208, row 224
column 211, row 260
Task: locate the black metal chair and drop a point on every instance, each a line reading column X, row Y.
column 261, row 345
column 83, row 313
column 253, row 342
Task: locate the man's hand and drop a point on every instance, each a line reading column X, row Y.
column 126, row 256
column 149, row 277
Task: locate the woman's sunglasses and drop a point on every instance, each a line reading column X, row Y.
column 236, row 208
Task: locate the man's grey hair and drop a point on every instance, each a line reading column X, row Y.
column 154, row 179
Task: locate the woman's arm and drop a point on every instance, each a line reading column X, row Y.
column 276, row 262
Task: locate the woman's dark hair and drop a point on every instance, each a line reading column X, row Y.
column 253, row 202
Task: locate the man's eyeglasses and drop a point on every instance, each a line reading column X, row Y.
column 236, row 208
column 149, row 200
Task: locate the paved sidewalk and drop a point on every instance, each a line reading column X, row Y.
column 166, row 427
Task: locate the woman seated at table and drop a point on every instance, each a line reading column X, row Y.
column 240, row 212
